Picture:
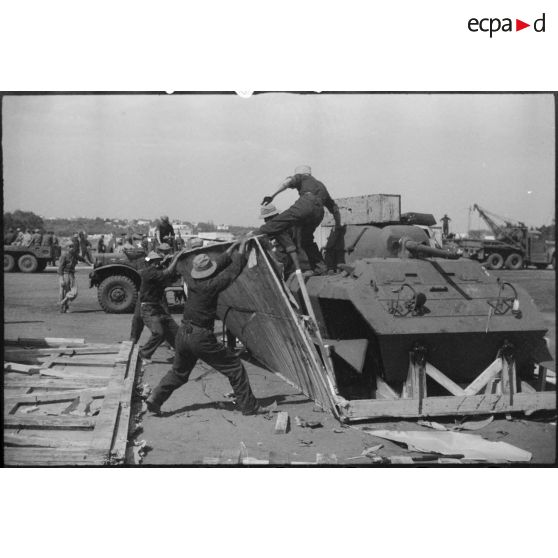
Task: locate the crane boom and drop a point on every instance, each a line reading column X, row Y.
column 501, row 233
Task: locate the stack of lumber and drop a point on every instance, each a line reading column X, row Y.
column 67, row 402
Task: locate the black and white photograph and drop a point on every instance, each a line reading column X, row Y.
column 279, row 279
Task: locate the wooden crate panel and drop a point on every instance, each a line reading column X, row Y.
column 72, row 406
column 363, row 210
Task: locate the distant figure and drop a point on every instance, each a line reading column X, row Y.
column 307, row 213
column 27, row 238
column 47, row 239
column 179, row 241
column 10, row 236
column 119, row 247
column 145, row 243
column 129, row 244
column 37, row 238
column 19, row 237
column 101, row 248
column 165, row 232
column 67, row 277
column 445, row 225
column 85, row 247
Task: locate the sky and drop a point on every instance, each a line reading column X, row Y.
column 214, row 157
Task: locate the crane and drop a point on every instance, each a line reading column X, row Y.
column 512, row 232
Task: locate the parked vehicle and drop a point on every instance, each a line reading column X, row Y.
column 514, row 246
column 29, row 259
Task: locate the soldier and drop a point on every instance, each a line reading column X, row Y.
column 154, row 313
column 306, row 213
column 165, row 232
column 19, row 237
column 27, row 238
column 445, row 225
column 101, row 248
column 10, row 236
column 119, row 248
column 67, row 277
column 37, row 238
column 196, row 339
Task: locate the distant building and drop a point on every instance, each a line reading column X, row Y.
column 222, row 227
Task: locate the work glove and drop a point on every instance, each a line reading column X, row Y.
column 267, row 199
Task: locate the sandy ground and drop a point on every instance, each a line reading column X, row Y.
column 198, row 420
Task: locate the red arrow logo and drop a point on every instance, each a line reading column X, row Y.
column 519, row 25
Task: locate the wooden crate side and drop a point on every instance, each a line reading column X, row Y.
column 363, row 210
column 453, row 405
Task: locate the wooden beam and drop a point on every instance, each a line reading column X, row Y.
column 53, row 396
column 41, row 383
column 282, row 424
column 118, row 449
column 443, row 380
column 451, row 405
column 480, row 381
column 51, row 456
column 30, row 440
column 58, row 422
column 18, row 368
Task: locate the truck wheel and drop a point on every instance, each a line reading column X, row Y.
column 541, row 266
column 117, row 294
column 28, row 263
column 9, row 263
column 495, row 261
column 514, row 261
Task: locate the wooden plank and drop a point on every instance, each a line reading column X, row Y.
column 52, row 397
column 443, row 380
column 29, row 440
column 72, row 374
column 51, row 456
column 58, row 361
column 452, row 405
column 61, row 422
column 117, row 393
column 480, row 381
column 41, row 383
column 282, row 424
column 15, row 367
column 118, row 449
column 17, row 352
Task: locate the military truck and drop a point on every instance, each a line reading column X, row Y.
column 117, row 278
column 28, row 259
column 514, row 245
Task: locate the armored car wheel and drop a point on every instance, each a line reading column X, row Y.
column 28, row 263
column 117, row 294
column 514, row 261
column 9, row 263
column 495, row 261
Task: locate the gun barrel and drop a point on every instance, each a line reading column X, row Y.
column 417, row 248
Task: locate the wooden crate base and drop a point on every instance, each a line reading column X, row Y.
column 72, row 407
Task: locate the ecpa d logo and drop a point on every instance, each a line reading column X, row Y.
column 493, row 25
